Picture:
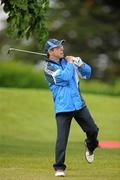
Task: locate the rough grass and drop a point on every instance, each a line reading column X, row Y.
column 28, row 133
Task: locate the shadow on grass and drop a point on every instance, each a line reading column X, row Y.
column 21, row 147
column 10, row 146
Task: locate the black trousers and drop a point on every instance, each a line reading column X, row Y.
column 86, row 122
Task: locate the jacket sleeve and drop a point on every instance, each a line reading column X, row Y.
column 60, row 77
column 85, row 71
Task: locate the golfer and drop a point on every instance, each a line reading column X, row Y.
column 63, row 74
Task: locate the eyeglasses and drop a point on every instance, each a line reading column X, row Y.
column 58, row 47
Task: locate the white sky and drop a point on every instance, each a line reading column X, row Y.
column 3, row 17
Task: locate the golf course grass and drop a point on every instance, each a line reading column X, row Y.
column 28, row 134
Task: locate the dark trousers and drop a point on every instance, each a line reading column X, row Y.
column 86, row 122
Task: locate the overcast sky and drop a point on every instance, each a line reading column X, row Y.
column 3, row 16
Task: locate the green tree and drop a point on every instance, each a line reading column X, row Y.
column 26, row 18
column 92, row 30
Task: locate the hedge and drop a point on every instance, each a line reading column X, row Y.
column 14, row 74
column 18, row 75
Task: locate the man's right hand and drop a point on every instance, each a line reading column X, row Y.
column 69, row 59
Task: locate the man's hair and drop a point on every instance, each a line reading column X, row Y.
column 48, row 55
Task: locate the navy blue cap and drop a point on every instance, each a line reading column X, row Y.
column 52, row 43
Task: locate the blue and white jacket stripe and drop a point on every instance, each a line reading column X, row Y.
column 63, row 81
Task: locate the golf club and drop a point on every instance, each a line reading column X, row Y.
column 76, row 61
column 25, row 51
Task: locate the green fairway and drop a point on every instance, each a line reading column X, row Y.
column 28, row 134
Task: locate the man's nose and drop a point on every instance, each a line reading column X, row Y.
column 62, row 48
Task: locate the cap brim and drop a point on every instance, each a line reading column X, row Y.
column 62, row 41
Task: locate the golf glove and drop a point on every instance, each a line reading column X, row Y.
column 78, row 61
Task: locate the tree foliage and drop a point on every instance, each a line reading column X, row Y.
column 92, row 30
column 26, row 18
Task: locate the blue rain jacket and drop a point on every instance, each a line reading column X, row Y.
column 63, row 80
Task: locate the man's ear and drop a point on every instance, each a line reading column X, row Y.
column 50, row 51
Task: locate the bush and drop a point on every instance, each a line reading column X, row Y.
column 14, row 74
column 100, row 87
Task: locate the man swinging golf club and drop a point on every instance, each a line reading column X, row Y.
column 62, row 74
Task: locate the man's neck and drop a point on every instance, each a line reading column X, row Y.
column 54, row 59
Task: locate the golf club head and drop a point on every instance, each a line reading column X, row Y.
column 8, row 51
column 11, row 51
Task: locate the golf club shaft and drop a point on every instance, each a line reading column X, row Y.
column 25, row 51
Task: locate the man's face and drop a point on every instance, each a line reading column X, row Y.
column 57, row 52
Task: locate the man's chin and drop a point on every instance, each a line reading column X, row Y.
column 62, row 55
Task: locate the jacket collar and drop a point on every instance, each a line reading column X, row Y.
column 54, row 62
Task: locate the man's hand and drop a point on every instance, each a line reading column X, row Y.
column 69, row 59
column 78, row 61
